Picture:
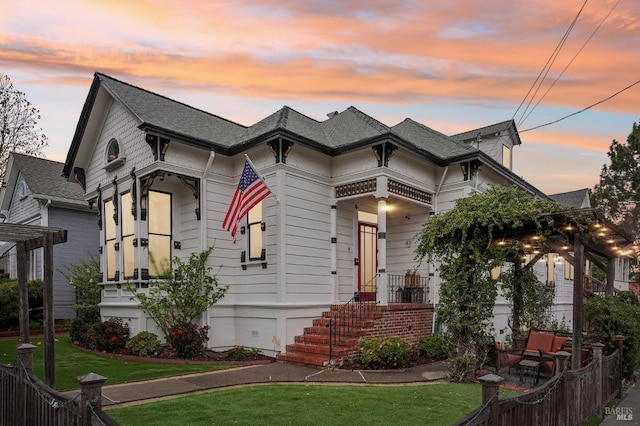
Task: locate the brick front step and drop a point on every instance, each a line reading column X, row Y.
column 312, row 348
column 324, row 339
column 337, row 351
column 303, row 359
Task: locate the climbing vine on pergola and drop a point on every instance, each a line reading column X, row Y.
column 463, row 241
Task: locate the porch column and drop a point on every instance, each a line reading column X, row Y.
column 578, row 294
column 334, row 252
column 381, row 281
column 611, row 275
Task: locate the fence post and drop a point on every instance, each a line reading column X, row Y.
column 25, row 359
column 490, row 386
column 619, row 339
column 561, row 362
column 91, row 395
column 597, row 354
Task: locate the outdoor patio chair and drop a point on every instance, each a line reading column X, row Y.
column 506, row 358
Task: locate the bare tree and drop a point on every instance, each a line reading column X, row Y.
column 19, row 129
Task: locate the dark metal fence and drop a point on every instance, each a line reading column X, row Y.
column 26, row 400
column 568, row 398
column 408, row 288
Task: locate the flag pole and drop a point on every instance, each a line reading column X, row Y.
column 262, row 179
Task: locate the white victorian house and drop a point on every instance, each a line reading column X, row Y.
column 348, row 196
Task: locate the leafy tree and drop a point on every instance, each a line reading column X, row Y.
column 462, row 241
column 531, row 299
column 84, row 277
column 182, row 294
column 618, row 192
column 19, row 129
column 609, row 316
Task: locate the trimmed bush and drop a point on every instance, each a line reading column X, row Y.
column 188, row 339
column 10, row 303
column 240, row 353
column 436, row 346
column 110, row 335
column 384, row 352
column 144, row 343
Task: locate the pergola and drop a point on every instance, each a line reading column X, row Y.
column 31, row 237
column 576, row 235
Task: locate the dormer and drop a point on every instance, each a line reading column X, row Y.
column 496, row 140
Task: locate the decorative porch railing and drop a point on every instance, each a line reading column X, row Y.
column 408, row 288
column 595, row 287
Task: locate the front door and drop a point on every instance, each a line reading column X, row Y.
column 368, row 260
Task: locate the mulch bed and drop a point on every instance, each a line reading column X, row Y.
column 356, row 365
column 168, row 357
column 33, row 331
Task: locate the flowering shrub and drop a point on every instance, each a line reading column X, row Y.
column 109, row 335
column 188, row 339
column 385, row 352
column 240, row 353
column 144, row 343
column 436, row 346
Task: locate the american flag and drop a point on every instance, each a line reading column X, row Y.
column 250, row 191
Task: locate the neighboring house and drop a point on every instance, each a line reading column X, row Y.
column 581, row 199
column 35, row 193
column 348, row 196
column 578, row 199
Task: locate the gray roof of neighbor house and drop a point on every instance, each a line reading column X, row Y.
column 575, row 198
column 44, row 178
column 344, row 131
column 493, row 129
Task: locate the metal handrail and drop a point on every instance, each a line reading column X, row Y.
column 348, row 317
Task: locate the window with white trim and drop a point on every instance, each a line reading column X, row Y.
column 128, row 235
column 255, row 232
column 110, row 241
column 159, row 220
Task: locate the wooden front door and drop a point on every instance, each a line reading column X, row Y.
column 368, row 260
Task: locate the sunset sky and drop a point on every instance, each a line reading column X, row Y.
column 453, row 65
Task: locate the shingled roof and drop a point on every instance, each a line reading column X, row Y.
column 492, row 129
column 159, row 112
column 343, row 131
column 578, row 198
column 44, row 178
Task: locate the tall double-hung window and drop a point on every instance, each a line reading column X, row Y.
column 110, row 241
column 128, row 236
column 255, row 229
column 159, row 220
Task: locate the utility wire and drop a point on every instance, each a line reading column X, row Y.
column 582, row 110
column 547, row 66
column 571, row 61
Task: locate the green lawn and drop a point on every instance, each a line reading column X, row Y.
column 71, row 363
column 285, row 404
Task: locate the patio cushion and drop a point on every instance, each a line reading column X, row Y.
column 539, row 342
column 558, row 341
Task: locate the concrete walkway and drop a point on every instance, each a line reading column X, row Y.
column 627, row 412
column 276, row 372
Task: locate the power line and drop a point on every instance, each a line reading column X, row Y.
column 548, row 65
column 582, row 110
column 571, row 61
